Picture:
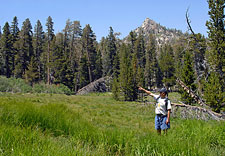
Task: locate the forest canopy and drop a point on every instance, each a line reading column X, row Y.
column 74, row 58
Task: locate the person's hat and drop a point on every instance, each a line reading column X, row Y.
column 163, row 90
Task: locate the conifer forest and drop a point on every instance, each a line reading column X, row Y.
column 74, row 58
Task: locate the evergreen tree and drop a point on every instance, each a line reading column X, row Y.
column 67, row 66
column 132, row 39
column 0, row 32
column 98, row 65
column 75, row 45
column 75, row 50
column 151, row 66
column 7, row 56
column 139, row 49
column 126, row 77
column 115, row 88
column 110, row 53
column 213, row 92
column 1, row 54
column 15, row 36
column 89, row 51
column 84, row 77
column 67, row 38
column 135, row 76
column 38, row 44
column 166, row 63
column 49, row 36
column 215, row 84
column 58, row 58
column 67, row 74
column 179, row 51
column 188, row 77
column 102, row 48
column 25, row 49
column 116, row 65
column 216, row 33
column 32, row 73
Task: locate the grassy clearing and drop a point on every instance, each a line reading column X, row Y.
column 51, row 124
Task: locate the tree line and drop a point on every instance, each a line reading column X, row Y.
column 74, row 58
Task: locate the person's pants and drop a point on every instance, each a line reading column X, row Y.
column 160, row 122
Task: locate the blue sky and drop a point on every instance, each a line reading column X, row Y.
column 122, row 15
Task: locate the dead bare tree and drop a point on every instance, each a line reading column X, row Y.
column 201, row 66
column 192, row 94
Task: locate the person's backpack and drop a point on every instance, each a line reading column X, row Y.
column 166, row 101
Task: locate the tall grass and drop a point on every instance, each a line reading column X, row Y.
column 44, row 124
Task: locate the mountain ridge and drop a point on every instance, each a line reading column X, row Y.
column 162, row 34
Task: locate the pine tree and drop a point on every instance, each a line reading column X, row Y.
column 32, row 73
column 166, row 63
column 215, row 84
column 58, row 58
column 134, row 77
column 139, row 49
column 38, row 44
column 6, row 42
column 151, row 66
column 76, row 52
column 124, row 76
column 75, row 45
column 25, row 49
column 116, row 65
column 132, row 39
column 0, row 32
column 89, row 51
column 188, row 77
column 67, row 38
column 1, row 54
column 98, row 65
column 110, row 53
column 83, row 72
column 15, row 36
column 127, row 78
column 213, row 92
column 50, row 35
column 115, row 88
column 216, row 33
column 67, row 74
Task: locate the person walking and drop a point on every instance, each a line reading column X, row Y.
column 162, row 110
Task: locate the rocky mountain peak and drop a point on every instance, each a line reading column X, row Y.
column 162, row 34
column 149, row 23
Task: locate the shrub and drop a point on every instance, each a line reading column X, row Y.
column 14, row 85
column 5, row 85
column 20, row 86
column 54, row 89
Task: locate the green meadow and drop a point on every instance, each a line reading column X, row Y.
column 96, row 124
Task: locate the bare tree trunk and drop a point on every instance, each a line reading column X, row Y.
column 191, row 93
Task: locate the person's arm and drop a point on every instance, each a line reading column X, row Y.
column 168, row 116
column 146, row 91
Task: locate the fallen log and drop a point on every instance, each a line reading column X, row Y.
column 193, row 112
